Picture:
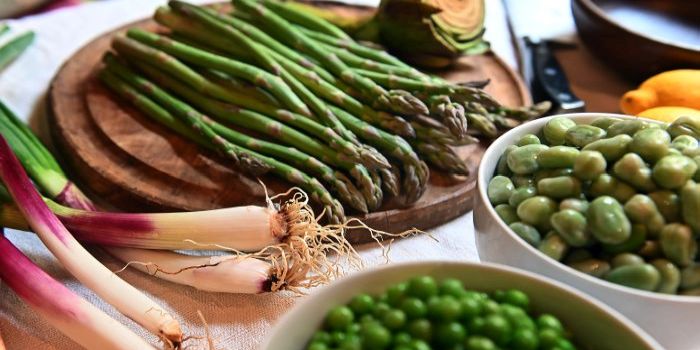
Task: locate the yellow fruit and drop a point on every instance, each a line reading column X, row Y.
column 673, row 88
column 668, row 114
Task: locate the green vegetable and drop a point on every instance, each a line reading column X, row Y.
column 559, row 187
column 685, row 125
column 641, row 276
column 594, row 267
column 626, row 259
column 612, row 148
column 632, row 169
column 571, row 226
column 555, row 130
column 690, row 205
column 678, row 244
column 578, row 205
column 581, row 135
column 557, row 157
column 588, row 165
column 528, row 139
column 607, row 220
column 523, row 160
column 507, row 213
column 651, row 144
column 526, row 232
column 670, row 276
column 537, row 210
column 554, row 246
column 15, row 47
column 627, row 127
column 606, row 185
column 673, row 171
column 520, row 194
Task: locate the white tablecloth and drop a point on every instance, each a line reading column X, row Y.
column 236, row 321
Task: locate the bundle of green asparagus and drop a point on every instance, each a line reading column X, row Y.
column 347, row 123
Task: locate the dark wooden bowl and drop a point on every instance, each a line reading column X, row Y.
column 640, row 38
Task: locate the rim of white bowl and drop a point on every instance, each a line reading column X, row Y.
column 495, row 150
column 618, row 317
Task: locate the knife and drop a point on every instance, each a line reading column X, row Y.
column 535, row 25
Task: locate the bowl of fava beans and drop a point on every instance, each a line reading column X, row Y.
column 453, row 305
column 608, row 204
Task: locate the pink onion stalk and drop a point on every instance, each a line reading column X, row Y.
column 71, row 314
column 124, row 297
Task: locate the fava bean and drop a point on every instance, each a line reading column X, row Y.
column 547, row 173
column 528, row 139
column 555, row 130
column 677, row 244
column 523, row 160
column 571, row 226
column 690, row 205
column 522, row 181
column 506, row 213
column 641, row 209
column 605, row 122
column 578, row 254
column 690, row 277
column 526, row 232
column 607, row 220
column 580, row 205
column 635, row 242
column 553, row 246
column 668, row 204
column 594, row 267
column 499, row 189
column 557, row 157
column 632, row 169
column 536, row 211
column 611, row 148
column 670, row 276
column 520, row 194
column 650, row 249
column 581, row 135
column 651, row 144
column 644, row 276
column 588, row 165
column 673, row 171
column 685, row 125
column 626, row 259
column 628, row 127
column 502, row 166
column 559, row 187
column 684, row 143
column 606, row 185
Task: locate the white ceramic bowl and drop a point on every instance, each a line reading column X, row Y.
column 668, row 318
column 594, row 324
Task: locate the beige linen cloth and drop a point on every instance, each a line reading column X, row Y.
column 235, row 321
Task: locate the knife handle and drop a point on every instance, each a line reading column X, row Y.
column 549, row 81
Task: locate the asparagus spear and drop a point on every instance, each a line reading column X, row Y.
column 394, row 100
column 451, row 114
column 133, row 88
column 167, row 63
column 250, row 73
column 293, row 15
column 442, row 157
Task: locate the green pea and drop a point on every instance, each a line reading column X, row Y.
column 321, row 337
column 421, row 329
column 641, row 209
column 522, row 181
column 420, row 345
column 670, row 276
column 548, row 321
column 502, row 165
column 523, row 160
column 642, row 276
column 650, row 249
column 497, row 328
column 499, row 190
column 548, row 338
column 636, row 241
column 414, row 308
column 627, row 127
column 672, row 172
column 559, row 187
column 339, row 318
column 677, row 244
column 526, row 232
column 422, row 287
column 557, row 157
column 536, row 211
column 685, row 125
column 668, row 204
column 375, row 337
column 606, row 185
column 362, row 304
column 588, row 165
column 471, row 307
column 317, row 346
column 580, row 205
column 450, row 334
column 337, row 337
column 555, row 130
column 525, row 339
column 651, row 144
column 563, row 344
column 612, row 148
column 444, row 309
column 690, row 205
column 684, row 142
column 380, row 309
column 402, row 338
column 553, row 246
column 452, row 287
column 520, row 194
column 517, row 317
column 516, row 298
column 571, row 226
column 632, row 169
column 605, row 122
column 593, row 267
column 352, row 342
column 394, row 319
column 549, row 173
column 626, row 259
column 477, row 342
column 607, row 221
column 528, row 139
column 690, row 277
column 396, row 293
column 581, row 135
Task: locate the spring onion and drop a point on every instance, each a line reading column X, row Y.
column 71, row 314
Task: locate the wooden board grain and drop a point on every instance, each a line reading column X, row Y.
column 137, row 165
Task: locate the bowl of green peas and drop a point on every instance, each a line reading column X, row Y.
column 453, row 305
column 608, row 204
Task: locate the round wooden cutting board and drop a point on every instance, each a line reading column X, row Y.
column 135, row 164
